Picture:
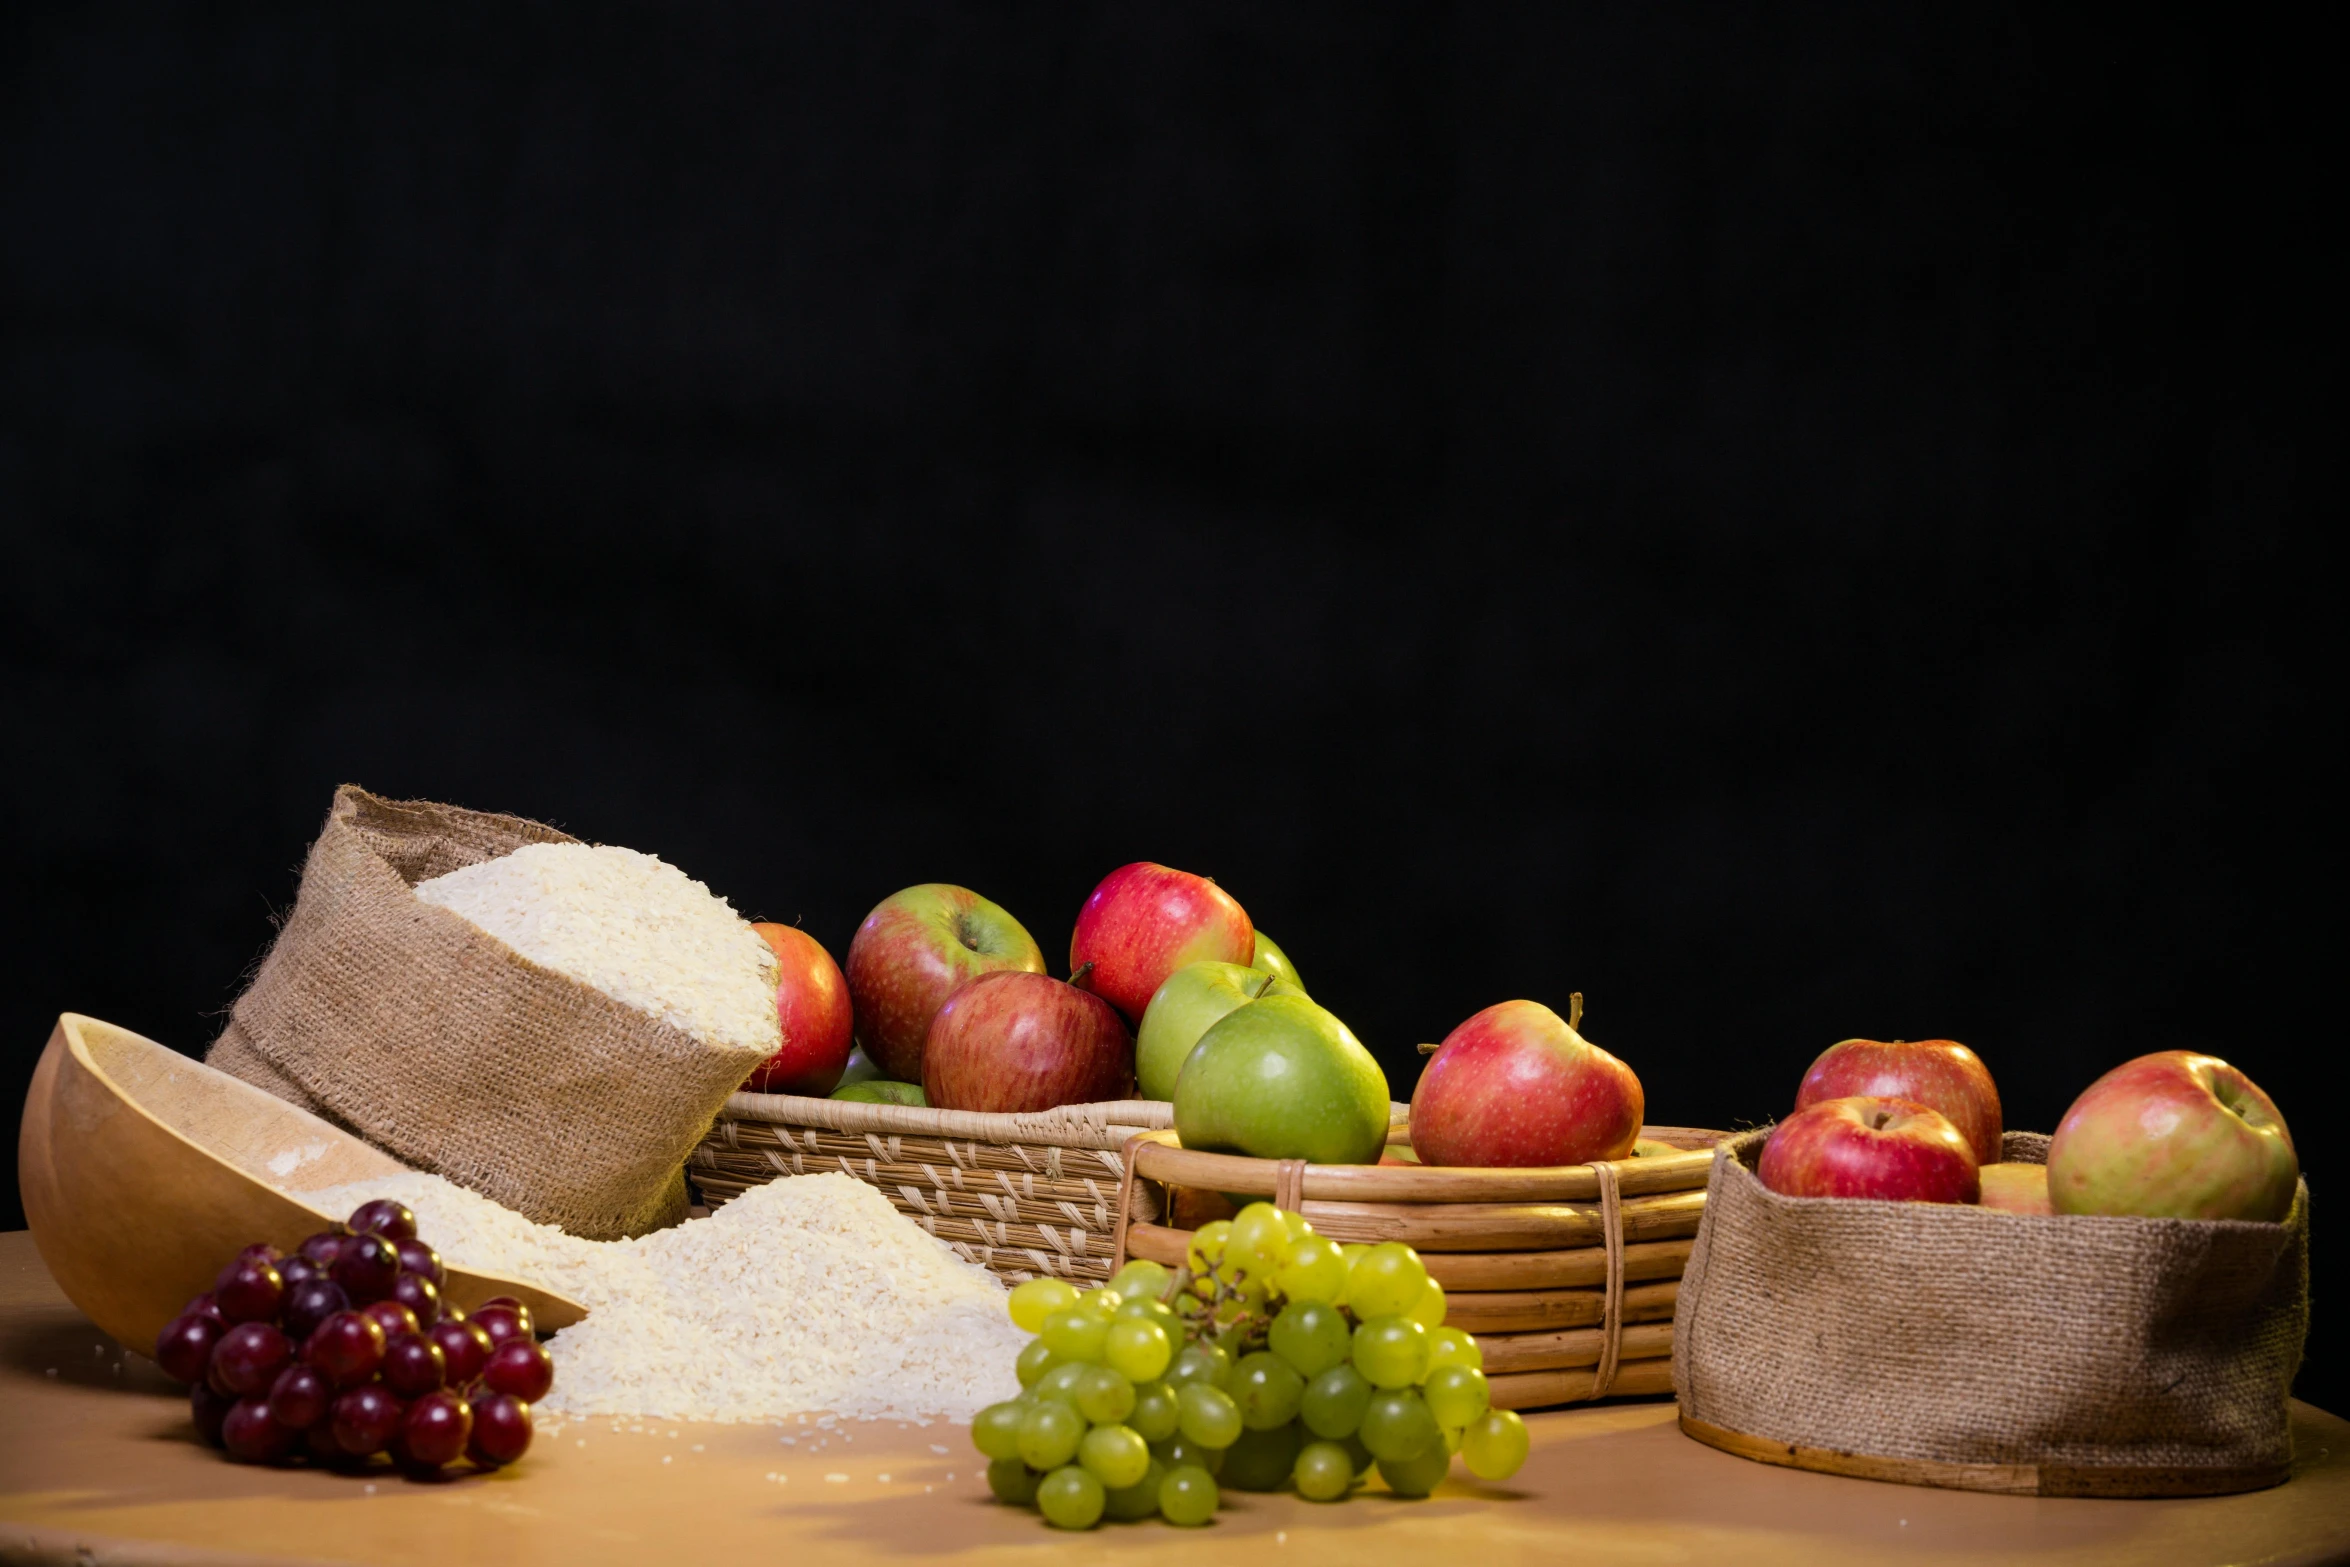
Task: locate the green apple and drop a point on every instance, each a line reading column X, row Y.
column 1193, row 997
column 1282, row 1078
column 881, row 1091
column 1269, row 957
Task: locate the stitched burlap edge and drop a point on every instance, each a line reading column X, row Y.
column 454, row 1053
column 1964, row 1335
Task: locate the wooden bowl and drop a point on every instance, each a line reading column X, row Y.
column 143, row 1172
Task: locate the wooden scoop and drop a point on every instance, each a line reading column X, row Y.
column 144, row 1172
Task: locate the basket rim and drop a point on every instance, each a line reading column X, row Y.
column 1159, row 1157
column 1106, row 1124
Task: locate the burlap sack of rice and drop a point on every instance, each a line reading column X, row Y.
column 1961, row 1335
column 446, row 1047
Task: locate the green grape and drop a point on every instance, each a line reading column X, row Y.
column 1063, row 1383
column 1154, row 1412
column 1139, row 1350
column 1452, row 1438
column 1140, row 1279
column 1049, row 1434
column 1386, row 1281
column 1152, row 1309
column 1416, row 1476
column 1104, row 1397
column 1428, row 1310
column 1363, row 1461
column 1070, row 1498
column 1456, row 1395
column 1133, row 1503
column 1206, row 1414
column 1104, row 1300
column 1324, row 1472
column 1310, row 1335
column 1036, row 1357
column 1452, row 1347
column 1258, row 1244
column 1183, row 1450
column 995, row 1430
column 1012, row 1481
column 1268, row 1390
column 1495, row 1444
column 1076, row 1333
column 1297, row 1223
column 1261, row 1460
column 1334, row 1401
column 1204, row 1363
column 1187, row 1497
column 1038, row 1299
column 1114, row 1455
column 1207, row 1246
column 1397, row 1425
column 1391, row 1351
column 1314, row 1270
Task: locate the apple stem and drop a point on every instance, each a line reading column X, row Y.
column 1265, row 985
column 1083, row 969
column 1574, row 1009
column 1427, row 1048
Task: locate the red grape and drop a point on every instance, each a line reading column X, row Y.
column 521, row 1367
column 320, row 1447
column 260, row 1251
column 209, row 1409
column 465, row 1349
column 253, row 1436
column 420, row 1295
column 249, row 1290
column 503, row 1319
column 184, row 1348
column 385, row 1217
column 394, row 1318
column 364, row 1419
column 434, row 1431
column 204, row 1306
column 346, row 1346
column 324, row 1247
column 366, row 1267
column 299, row 1269
column 417, row 1257
column 307, row 1305
column 414, row 1366
column 248, row 1358
column 501, row 1429
column 299, row 1396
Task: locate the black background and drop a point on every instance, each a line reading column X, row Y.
column 1794, row 525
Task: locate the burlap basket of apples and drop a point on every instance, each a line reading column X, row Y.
column 1870, row 1296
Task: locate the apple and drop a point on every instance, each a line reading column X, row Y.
column 1015, row 1041
column 812, row 1004
column 1282, row 1078
column 2016, row 1188
column 2174, row 1135
column 1192, row 999
column 1516, row 1085
column 916, row 949
column 1146, row 921
column 880, row 1091
column 1940, row 1074
column 1269, row 957
column 1896, row 1150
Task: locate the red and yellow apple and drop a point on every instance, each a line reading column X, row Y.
column 1143, row 923
column 2016, row 1188
column 1896, row 1150
column 1940, row 1074
column 2174, row 1135
column 1515, row 1085
column 1016, row 1041
column 812, row 1004
column 916, row 949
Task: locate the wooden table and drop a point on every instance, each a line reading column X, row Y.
column 98, row 1465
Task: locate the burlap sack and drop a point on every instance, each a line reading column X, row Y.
column 456, row 1054
column 2094, row 1348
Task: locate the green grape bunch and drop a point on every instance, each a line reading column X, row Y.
column 1272, row 1358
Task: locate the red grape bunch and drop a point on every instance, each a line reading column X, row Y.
column 344, row 1349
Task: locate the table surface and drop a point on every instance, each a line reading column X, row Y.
column 98, row 1464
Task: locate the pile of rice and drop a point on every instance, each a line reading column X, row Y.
column 632, row 926
column 809, row 1293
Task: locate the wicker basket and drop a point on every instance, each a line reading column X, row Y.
column 1567, row 1276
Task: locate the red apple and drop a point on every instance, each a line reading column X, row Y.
column 2176, row 1135
column 1018, row 1041
column 812, row 1003
column 916, row 949
column 2016, row 1188
column 1146, row 921
column 1516, row 1085
column 1940, row 1074
column 1894, row 1149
